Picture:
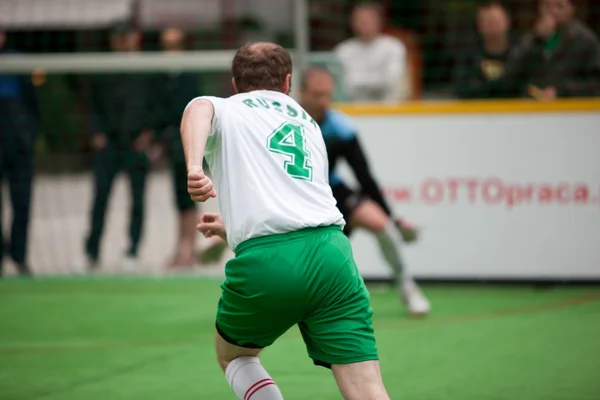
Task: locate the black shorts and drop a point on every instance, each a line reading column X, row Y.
column 347, row 201
column 183, row 201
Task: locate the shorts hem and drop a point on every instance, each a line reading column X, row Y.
column 346, row 361
column 229, row 340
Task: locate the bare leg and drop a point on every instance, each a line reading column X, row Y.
column 186, row 244
column 244, row 372
column 227, row 352
column 214, row 251
column 369, row 215
column 360, row 381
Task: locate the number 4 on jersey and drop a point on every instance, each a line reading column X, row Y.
column 289, row 140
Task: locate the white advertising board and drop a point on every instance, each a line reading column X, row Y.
column 498, row 196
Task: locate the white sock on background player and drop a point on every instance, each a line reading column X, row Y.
column 390, row 242
column 250, row 381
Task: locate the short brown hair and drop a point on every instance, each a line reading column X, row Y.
column 490, row 4
column 310, row 71
column 261, row 66
column 371, row 6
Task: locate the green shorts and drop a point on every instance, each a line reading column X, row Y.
column 308, row 278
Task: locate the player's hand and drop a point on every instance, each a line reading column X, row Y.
column 547, row 94
column 99, row 141
column 211, row 224
column 409, row 232
column 200, row 187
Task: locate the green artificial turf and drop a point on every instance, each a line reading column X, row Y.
column 152, row 339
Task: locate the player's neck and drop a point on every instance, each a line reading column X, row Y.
column 318, row 117
column 263, row 90
column 369, row 39
column 496, row 45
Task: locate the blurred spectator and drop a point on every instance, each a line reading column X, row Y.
column 479, row 71
column 560, row 58
column 374, row 64
column 175, row 89
column 18, row 127
column 121, row 118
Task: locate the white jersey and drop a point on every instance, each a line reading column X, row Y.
column 373, row 71
column 269, row 166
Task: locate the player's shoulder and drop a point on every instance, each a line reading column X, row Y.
column 341, row 124
column 345, row 46
column 391, row 42
column 335, row 178
column 217, row 102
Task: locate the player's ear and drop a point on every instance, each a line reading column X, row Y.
column 234, row 87
column 287, row 84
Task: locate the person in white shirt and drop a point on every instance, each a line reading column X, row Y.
column 293, row 265
column 374, row 63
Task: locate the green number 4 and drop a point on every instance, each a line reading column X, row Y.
column 289, row 140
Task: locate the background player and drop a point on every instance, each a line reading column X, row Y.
column 293, row 264
column 366, row 209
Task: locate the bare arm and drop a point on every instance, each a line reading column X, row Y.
column 196, row 127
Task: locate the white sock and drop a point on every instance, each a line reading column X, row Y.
column 390, row 243
column 250, row 381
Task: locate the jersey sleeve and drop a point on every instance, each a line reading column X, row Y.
column 334, row 179
column 219, row 105
column 351, row 150
column 355, row 156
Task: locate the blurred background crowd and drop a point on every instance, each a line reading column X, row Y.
column 390, row 51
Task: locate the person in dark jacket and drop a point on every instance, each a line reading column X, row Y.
column 121, row 119
column 18, row 127
column 480, row 70
column 560, row 58
column 174, row 90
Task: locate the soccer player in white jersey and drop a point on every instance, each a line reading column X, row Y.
column 293, row 264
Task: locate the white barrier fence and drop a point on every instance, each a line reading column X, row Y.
column 60, row 223
column 498, row 196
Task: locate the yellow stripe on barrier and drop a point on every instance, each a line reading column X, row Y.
column 472, row 107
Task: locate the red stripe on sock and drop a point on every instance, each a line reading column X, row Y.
column 248, row 394
column 255, row 385
column 258, row 388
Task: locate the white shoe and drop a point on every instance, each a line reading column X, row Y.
column 129, row 264
column 415, row 300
